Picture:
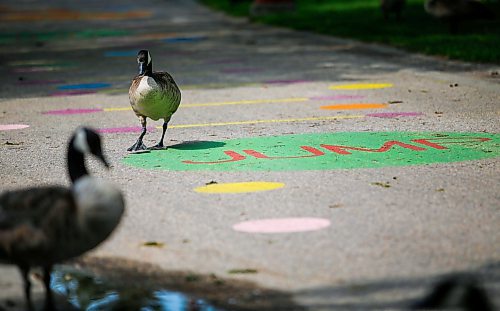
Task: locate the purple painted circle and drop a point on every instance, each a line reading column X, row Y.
column 128, row 129
column 71, row 111
column 394, row 114
column 9, row 127
column 282, row 225
column 72, row 93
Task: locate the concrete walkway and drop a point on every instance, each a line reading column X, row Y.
column 380, row 177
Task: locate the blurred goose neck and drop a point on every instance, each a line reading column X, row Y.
column 76, row 164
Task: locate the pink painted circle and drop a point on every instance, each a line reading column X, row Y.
column 282, row 225
column 9, row 127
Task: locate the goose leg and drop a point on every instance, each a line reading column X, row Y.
column 49, row 299
column 139, row 145
column 27, row 285
column 159, row 145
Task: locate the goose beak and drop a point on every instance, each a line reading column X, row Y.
column 106, row 163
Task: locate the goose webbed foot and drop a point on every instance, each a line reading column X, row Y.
column 138, row 146
column 158, row 146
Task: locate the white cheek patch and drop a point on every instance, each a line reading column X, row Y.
column 80, row 142
column 147, row 84
column 149, row 58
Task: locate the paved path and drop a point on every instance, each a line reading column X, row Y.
column 389, row 161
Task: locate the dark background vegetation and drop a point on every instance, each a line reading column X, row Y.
column 476, row 40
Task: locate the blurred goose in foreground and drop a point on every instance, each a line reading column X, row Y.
column 152, row 95
column 455, row 11
column 42, row 226
column 392, row 6
column 456, row 292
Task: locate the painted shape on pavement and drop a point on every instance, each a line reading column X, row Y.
column 84, row 86
column 73, row 93
column 282, row 225
column 240, row 187
column 62, row 14
column 72, row 111
column 323, row 151
column 361, row 86
column 184, row 39
column 10, row 127
column 127, row 129
column 354, row 106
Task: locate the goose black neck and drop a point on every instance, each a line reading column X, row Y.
column 76, row 163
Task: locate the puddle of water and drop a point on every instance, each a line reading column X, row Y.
column 88, row 292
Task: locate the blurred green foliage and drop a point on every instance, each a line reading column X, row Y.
column 476, row 41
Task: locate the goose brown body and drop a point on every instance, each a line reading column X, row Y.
column 153, row 95
column 42, row 226
column 46, row 225
column 28, row 218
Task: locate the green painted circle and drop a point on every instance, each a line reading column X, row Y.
column 322, row 151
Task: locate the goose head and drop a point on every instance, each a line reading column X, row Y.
column 84, row 141
column 145, row 62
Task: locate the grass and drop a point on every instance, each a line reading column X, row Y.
column 477, row 41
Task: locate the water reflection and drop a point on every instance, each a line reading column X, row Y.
column 87, row 292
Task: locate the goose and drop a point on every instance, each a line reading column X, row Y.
column 152, row 95
column 392, row 6
column 456, row 292
column 455, row 11
column 42, row 226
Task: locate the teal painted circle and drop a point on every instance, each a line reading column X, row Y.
column 322, row 151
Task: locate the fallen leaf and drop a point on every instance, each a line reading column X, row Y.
column 242, row 271
column 192, row 278
column 338, row 205
column 9, row 143
column 211, row 182
column 381, row 184
column 153, row 244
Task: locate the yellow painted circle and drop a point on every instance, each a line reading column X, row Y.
column 361, row 86
column 240, row 187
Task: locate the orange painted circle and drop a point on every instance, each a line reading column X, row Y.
column 354, row 106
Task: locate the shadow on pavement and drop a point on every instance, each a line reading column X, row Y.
column 133, row 285
column 453, row 291
column 197, row 145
